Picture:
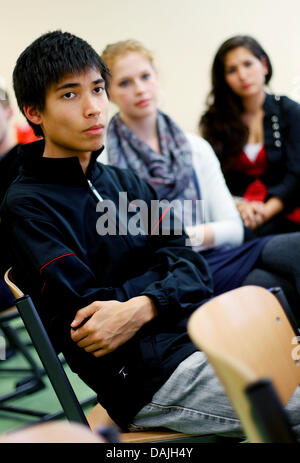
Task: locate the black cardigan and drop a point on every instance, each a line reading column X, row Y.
column 282, row 142
column 49, row 216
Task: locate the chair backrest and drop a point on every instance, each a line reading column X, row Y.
column 9, row 280
column 46, row 352
column 247, row 337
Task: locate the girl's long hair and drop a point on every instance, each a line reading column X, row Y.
column 221, row 123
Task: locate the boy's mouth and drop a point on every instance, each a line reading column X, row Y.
column 95, row 129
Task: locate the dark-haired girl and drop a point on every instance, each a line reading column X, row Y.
column 256, row 136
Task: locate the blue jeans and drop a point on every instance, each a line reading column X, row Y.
column 193, row 401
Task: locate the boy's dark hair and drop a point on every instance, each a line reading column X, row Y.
column 47, row 60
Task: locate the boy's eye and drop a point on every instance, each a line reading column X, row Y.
column 146, row 76
column 68, row 95
column 98, row 90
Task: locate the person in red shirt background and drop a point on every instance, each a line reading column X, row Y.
column 256, row 137
column 11, row 135
column 25, row 134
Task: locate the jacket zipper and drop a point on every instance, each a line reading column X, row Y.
column 94, row 191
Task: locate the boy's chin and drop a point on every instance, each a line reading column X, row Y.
column 94, row 146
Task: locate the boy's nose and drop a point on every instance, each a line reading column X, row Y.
column 91, row 107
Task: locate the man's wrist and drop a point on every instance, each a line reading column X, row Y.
column 149, row 308
column 144, row 308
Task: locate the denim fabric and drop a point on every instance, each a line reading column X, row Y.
column 193, row 401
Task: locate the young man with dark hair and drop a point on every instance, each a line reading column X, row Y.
column 116, row 304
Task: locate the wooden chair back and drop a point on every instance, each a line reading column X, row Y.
column 246, row 336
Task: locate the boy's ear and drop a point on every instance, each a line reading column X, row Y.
column 32, row 114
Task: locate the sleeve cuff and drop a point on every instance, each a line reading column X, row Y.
column 228, row 233
column 160, row 300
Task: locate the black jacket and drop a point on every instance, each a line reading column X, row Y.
column 9, row 168
column 49, row 217
column 282, row 142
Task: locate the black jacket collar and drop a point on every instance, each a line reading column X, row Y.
column 65, row 171
column 271, row 105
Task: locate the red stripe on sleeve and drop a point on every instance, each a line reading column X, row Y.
column 59, row 257
column 158, row 222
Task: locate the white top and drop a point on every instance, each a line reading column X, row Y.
column 252, row 150
column 220, row 211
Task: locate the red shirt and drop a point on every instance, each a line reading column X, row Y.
column 257, row 190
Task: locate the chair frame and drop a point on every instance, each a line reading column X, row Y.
column 28, row 384
column 50, row 360
column 270, row 417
